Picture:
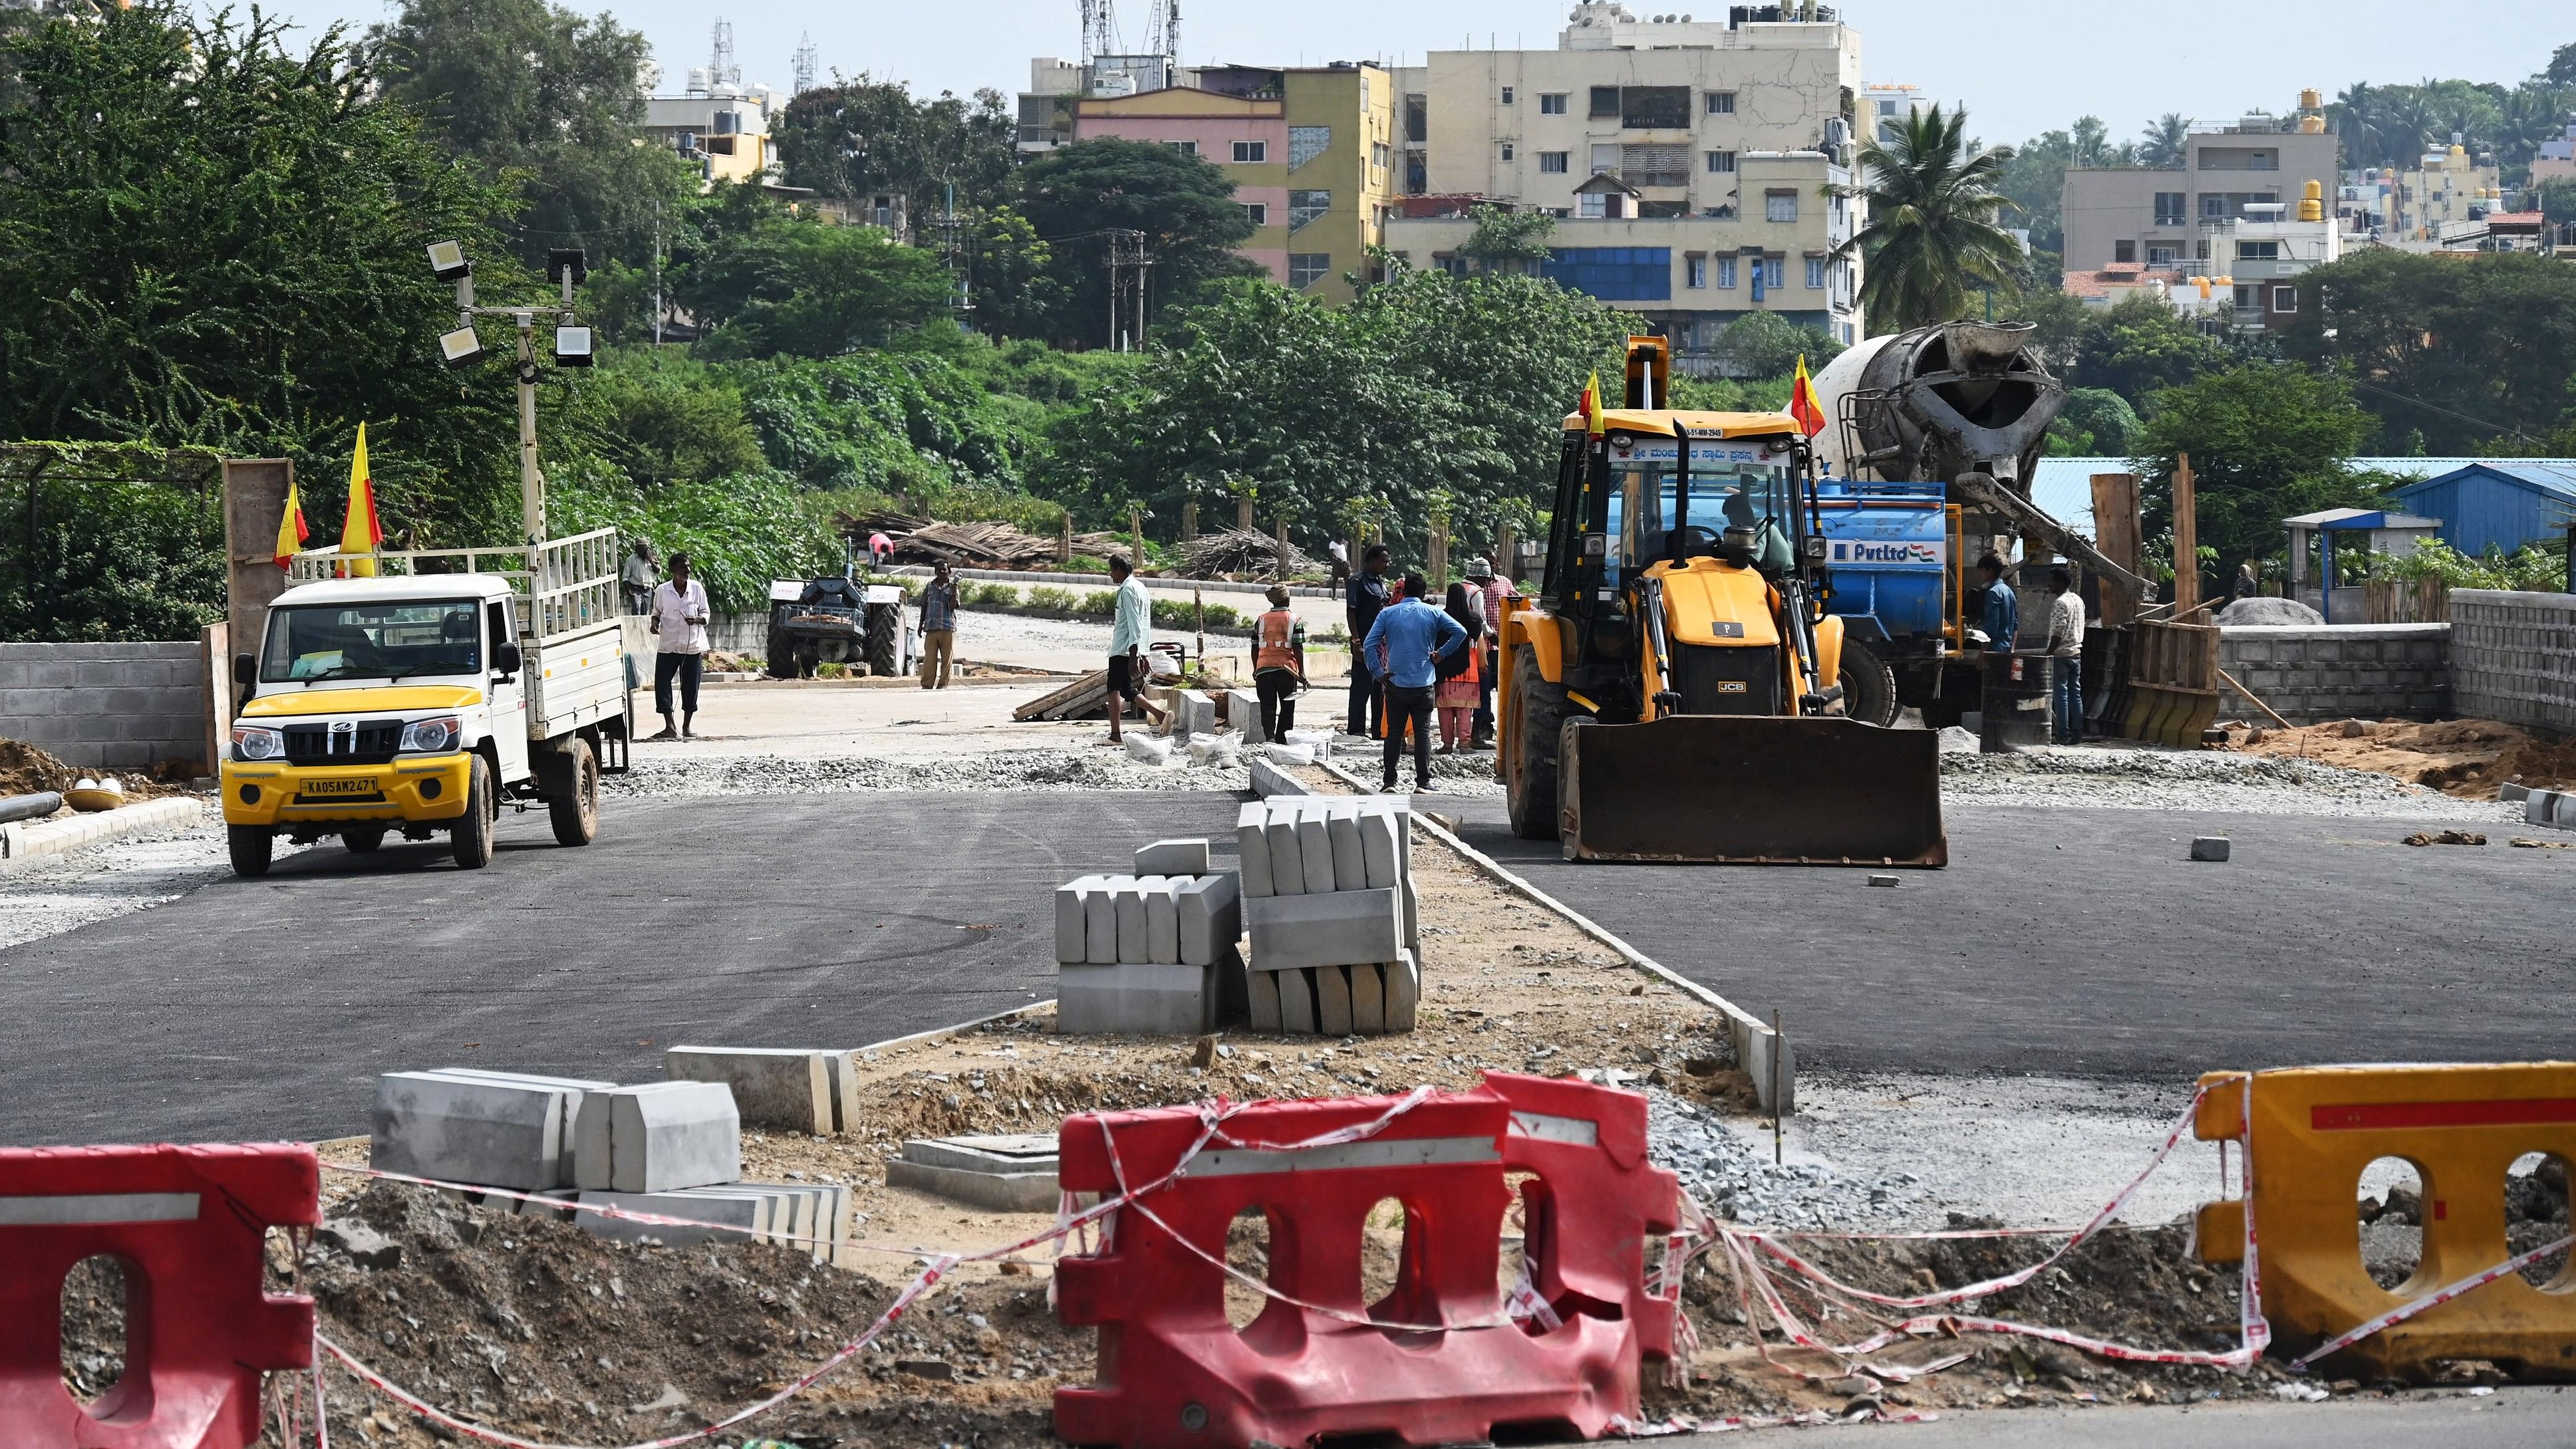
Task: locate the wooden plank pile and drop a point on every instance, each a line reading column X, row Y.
column 1088, row 698
column 987, row 545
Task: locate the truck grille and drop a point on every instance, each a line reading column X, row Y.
column 373, row 742
column 1716, row 680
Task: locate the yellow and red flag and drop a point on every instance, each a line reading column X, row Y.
column 1802, row 401
column 360, row 533
column 1592, row 404
column 291, row 531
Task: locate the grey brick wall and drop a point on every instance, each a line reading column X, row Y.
column 2513, row 657
column 106, row 706
column 2313, row 673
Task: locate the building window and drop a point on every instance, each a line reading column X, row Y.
column 2254, row 251
column 1251, row 151
column 1654, row 108
column 1604, row 158
column 1507, row 95
column 1257, row 212
column 1721, row 103
column 1306, row 206
column 2162, row 256
column 1655, row 165
column 1779, row 206
column 1305, row 143
column 1694, row 270
column 1417, row 119
column 1508, row 151
column 1613, row 274
column 1186, row 148
column 1726, row 272
column 2285, row 299
column 2124, row 251
column 1605, row 101
column 2200, row 250
column 1379, row 155
column 1305, row 269
column 1552, row 104
column 1815, row 274
column 1417, row 173
column 1721, row 162
column 1774, row 270
column 1591, row 205
column 1552, row 163
column 2169, row 208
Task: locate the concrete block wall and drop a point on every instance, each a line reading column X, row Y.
column 2313, row 673
column 106, row 706
column 2513, row 658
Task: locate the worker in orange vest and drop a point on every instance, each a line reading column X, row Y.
column 1278, row 664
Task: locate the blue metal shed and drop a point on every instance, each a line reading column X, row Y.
column 2501, row 503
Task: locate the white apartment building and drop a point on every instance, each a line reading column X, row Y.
column 1719, row 137
column 725, row 132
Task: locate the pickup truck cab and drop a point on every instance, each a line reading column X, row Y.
column 422, row 704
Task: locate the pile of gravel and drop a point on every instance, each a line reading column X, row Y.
column 1091, row 768
column 1738, row 1181
column 2260, row 611
column 2130, row 779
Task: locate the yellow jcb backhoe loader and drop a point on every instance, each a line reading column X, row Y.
column 1670, row 692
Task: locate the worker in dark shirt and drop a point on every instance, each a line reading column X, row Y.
column 2002, row 612
column 1366, row 599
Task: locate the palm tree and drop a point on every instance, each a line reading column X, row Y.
column 2164, row 141
column 1931, row 241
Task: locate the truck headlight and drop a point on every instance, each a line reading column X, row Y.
column 432, row 736
column 254, row 742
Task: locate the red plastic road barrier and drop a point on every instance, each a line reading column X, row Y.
column 1172, row 1374
column 200, row 1329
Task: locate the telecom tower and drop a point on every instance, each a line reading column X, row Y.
column 722, row 70
column 804, row 65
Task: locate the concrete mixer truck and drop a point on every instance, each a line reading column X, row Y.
column 1924, row 465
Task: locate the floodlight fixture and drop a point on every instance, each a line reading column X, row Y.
column 448, row 262
column 461, row 346
column 572, row 347
column 566, row 261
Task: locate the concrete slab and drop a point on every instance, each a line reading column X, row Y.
column 1210, row 910
column 1139, row 997
column 1173, row 857
column 1072, row 922
column 735, row 1215
column 788, row 1088
column 1315, row 846
column 657, row 1137
column 1287, row 862
column 1252, row 847
column 1006, row 1173
column 1333, row 1000
column 463, row 1129
column 1342, row 928
column 1261, row 989
column 1243, row 711
column 1193, row 713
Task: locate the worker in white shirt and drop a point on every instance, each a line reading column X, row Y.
column 680, row 631
column 2066, row 653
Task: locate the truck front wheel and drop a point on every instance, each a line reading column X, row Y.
column 471, row 839
column 250, row 846
column 575, row 811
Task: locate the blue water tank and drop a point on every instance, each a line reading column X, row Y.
column 1887, row 547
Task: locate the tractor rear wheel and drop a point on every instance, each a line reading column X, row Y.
column 1532, row 798
column 885, row 643
column 1869, row 686
column 781, row 663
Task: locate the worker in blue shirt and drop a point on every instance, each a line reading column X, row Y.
column 1402, row 649
column 2002, row 617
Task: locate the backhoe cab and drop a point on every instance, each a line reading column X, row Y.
column 1672, row 690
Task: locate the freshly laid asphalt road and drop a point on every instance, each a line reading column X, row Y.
column 2062, row 941
column 265, row 1009
column 2083, row 942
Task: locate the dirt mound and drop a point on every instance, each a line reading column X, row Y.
column 27, row 770
column 2268, row 611
column 2468, row 758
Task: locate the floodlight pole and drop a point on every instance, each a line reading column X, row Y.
column 532, row 479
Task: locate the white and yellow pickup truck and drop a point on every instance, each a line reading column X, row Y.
column 423, row 702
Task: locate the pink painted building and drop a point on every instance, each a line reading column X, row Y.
column 1245, row 134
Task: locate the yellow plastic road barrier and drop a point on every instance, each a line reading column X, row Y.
column 2315, row 1129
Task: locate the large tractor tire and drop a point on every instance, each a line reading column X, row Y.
column 470, row 840
column 251, row 846
column 1869, row 686
column 1532, row 801
column 885, row 640
column 781, row 663
column 575, row 809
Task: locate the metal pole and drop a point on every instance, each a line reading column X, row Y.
column 1778, row 1153
column 532, row 482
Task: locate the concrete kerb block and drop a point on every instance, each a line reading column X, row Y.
column 1135, row 917
column 1315, row 846
column 1072, row 922
column 1210, row 911
column 473, row 1127
column 784, row 1088
column 1287, row 860
column 657, row 1137
column 1340, row 928
column 1768, row 1058
column 1100, row 922
column 1193, row 713
column 1269, row 779
column 1173, row 857
column 2209, row 847
column 738, row 1215
column 1163, row 919
column 1252, row 845
column 1005, row 1173
column 1146, row 998
column 1243, row 711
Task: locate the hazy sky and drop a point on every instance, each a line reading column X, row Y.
column 2023, row 67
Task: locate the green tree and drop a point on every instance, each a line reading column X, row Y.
column 2469, row 349
column 2267, row 441
column 1766, row 344
column 1185, row 206
column 2034, row 184
column 546, row 100
column 662, row 420
column 2140, row 345
column 1507, row 240
column 2161, row 145
column 2562, row 66
column 2095, row 422
column 859, row 137
column 208, row 239
column 785, row 284
column 1013, row 292
column 1932, row 240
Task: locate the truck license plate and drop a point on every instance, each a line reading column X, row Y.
column 337, row 787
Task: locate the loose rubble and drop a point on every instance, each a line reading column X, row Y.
column 2134, row 779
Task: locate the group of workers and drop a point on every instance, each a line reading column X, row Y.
column 1999, row 615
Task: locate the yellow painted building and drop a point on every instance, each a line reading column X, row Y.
column 1341, row 174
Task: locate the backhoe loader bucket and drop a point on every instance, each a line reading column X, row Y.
column 1751, row 790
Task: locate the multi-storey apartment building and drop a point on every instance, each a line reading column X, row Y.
column 2158, row 217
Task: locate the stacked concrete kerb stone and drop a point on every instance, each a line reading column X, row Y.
column 2554, row 808
column 1154, row 952
column 2513, row 658
column 669, row 1148
column 2313, row 673
column 1334, row 914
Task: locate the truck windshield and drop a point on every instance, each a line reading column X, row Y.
column 373, row 641
column 1731, row 486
